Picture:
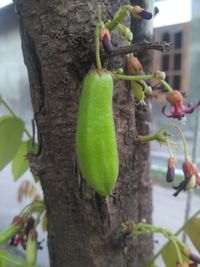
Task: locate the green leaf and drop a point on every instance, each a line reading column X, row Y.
column 170, row 256
column 3, row 258
column 20, row 163
column 11, row 131
column 192, row 229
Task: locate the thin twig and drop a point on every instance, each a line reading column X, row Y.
column 136, row 48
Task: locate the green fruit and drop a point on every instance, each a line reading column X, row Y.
column 96, row 144
column 31, row 247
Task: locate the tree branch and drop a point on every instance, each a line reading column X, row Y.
column 136, row 48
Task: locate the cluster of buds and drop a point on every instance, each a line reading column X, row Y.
column 139, row 87
column 20, row 238
column 177, row 109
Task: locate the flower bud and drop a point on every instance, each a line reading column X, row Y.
column 134, row 66
column 194, row 258
column 188, row 169
column 106, row 40
column 29, row 224
column 139, row 12
column 174, row 97
column 171, row 169
column 159, row 75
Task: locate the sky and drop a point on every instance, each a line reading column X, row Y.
column 171, row 11
column 5, row 2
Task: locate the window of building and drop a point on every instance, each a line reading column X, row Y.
column 178, row 40
column 177, row 61
column 177, row 82
column 165, row 62
column 166, row 37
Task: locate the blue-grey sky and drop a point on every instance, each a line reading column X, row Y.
column 172, row 12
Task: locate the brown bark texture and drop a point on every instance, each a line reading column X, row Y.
column 84, row 229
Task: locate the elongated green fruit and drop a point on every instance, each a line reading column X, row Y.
column 96, row 144
column 31, row 248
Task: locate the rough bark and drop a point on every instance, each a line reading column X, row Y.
column 143, row 30
column 83, row 228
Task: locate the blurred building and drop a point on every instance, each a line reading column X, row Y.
column 175, row 62
column 181, row 65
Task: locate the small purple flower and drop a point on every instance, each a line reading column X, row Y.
column 177, row 109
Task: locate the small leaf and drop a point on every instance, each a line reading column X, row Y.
column 11, row 131
column 192, row 229
column 20, row 163
column 170, row 256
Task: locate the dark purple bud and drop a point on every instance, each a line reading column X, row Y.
column 194, row 258
column 171, row 163
column 29, row 225
column 107, row 44
column 145, row 15
column 170, row 174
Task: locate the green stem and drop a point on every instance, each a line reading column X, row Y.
column 32, row 207
column 13, row 114
column 166, row 85
column 99, row 12
column 180, row 258
column 118, row 18
column 172, row 125
column 97, row 47
column 134, row 78
column 169, row 148
column 146, row 138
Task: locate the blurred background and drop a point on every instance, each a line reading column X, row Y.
column 178, row 22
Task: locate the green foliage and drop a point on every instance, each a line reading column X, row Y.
column 20, row 162
column 170, row 255
column 192, row 229
column 11, row 132
column 3, row 258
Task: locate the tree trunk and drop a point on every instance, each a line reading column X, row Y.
column 83, row 228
